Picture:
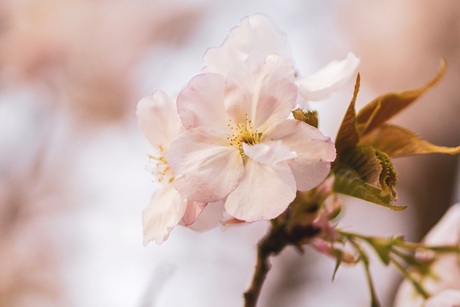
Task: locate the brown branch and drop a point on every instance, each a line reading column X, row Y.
column 273, row 243
column 260, row 273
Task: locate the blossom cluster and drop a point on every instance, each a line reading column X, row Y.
column 227, row 147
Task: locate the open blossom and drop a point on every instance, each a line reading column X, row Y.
column 445, row 298
column 158, row 119
column 258, row 34
column 444, row 279
column 240, row 145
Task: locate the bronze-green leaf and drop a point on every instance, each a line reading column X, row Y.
column 349, row 182
column 347, row 136
column 364, row 161
column 309, row 117
column 399, row 142
column 388, row 177
column 385, row 107
column 373, row 166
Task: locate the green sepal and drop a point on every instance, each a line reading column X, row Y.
column 337, row 264
column 383, row 247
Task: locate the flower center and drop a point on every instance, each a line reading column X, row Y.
column 242, row 132
column 160, row 168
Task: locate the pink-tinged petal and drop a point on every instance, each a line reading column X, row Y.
column 445, row 271
column 192, row 211
column 333, row 77
column 315, row 152
column 163, row 213
column 209, row 167
column 447, row 230
column 268, row 152
column 264, row 192
column 261, row 90
column 158, row 119
column 445, row 298
column 210, row 217
column 407, row 296
column 256, row 33
column 201, row 103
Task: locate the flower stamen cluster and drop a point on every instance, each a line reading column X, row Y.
column 243, row 133
column 160, row 169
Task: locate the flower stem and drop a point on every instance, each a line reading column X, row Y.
column 275, row 241
column 365, row 261
column 410, row 278
column 261, row 270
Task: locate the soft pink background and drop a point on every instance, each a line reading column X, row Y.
column 72, row 177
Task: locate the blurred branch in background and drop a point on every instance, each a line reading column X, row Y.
column 84, row 53
column 31, row 193
column 67, row 69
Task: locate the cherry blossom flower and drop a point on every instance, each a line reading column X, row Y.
column 240, row 145
column 445, row 298
column 258, row 34
column 444, row 279
column 158, row 119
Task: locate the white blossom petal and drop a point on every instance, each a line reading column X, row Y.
column 209, row 166
column 201, row 102
column 446, row 267
column 192, row 211
column 158, row 119
column 315, row 152
column 268, row 152
column 264, row 192
column 445, row 298
column 209, row 218
column 334, row 76
column 261, row 90
column 407, row 296
column 165, row 210
column 447, row 230
column 445, row 271
column 256, row 33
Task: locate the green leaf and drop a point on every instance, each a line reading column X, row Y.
column 396, row 141
column 388, row 176
column 347, row 136
column 373, row 167
column 385, row 107
column 365, row 162
column 349, row 182
column 309, row 117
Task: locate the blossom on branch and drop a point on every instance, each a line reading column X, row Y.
column 443, row 279
column 258, row 34
column 240, row 145
column 158, row 119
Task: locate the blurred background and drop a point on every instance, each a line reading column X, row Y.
column 72, row 160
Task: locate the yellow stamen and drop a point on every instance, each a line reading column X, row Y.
column 160, row 168
column 243, row 133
